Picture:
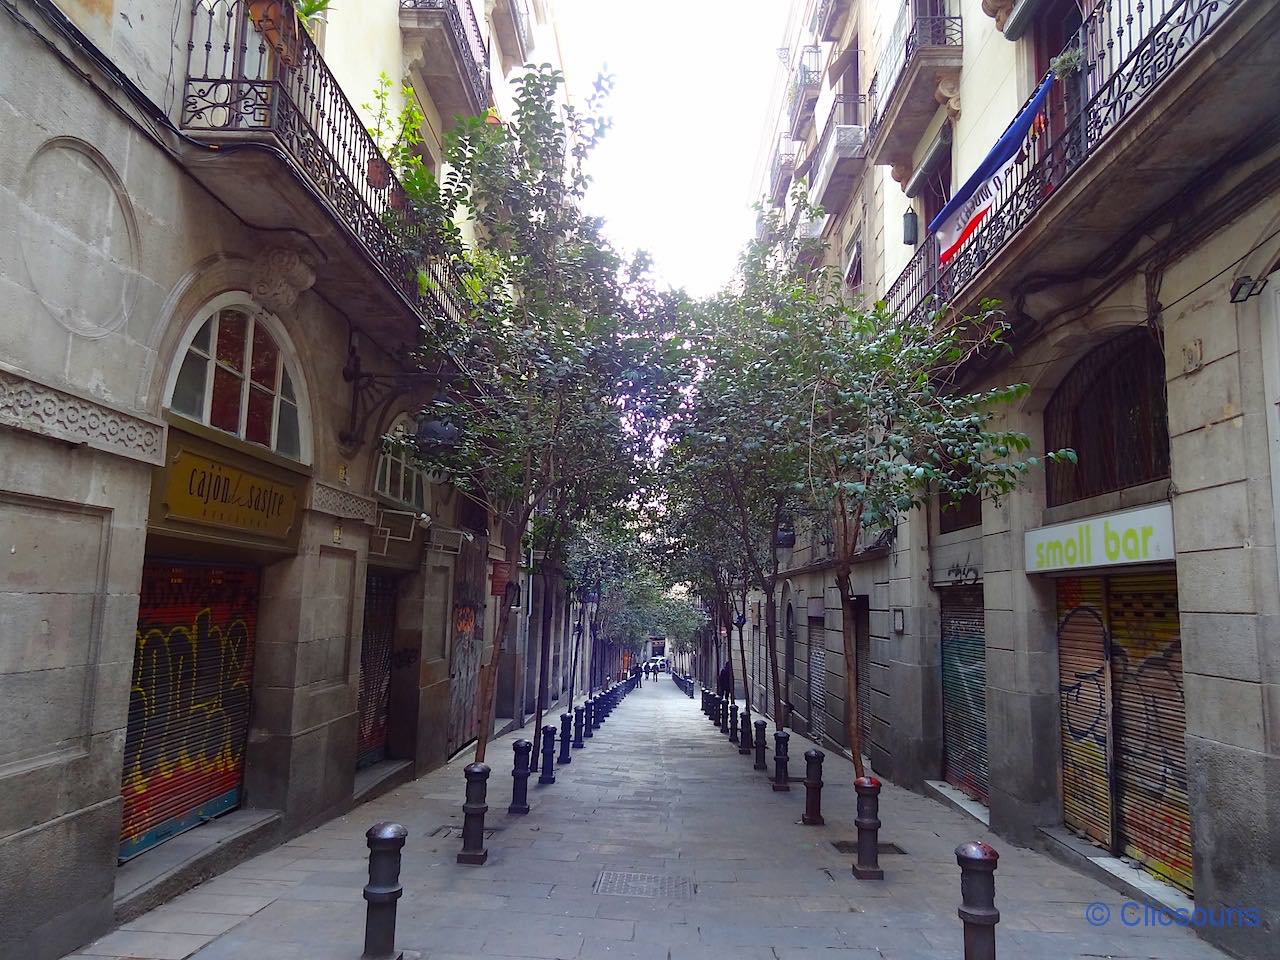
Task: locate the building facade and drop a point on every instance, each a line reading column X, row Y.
column 219, row 593
column 1093, row 659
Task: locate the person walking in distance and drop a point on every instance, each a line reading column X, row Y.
column 724, row 682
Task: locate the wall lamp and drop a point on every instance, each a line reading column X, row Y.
column 1246, row 287
column 910, row 228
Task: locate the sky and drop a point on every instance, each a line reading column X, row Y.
column 677, row 173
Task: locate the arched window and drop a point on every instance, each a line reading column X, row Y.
column 1111, row 410
column 398, row 478
column 235, row 375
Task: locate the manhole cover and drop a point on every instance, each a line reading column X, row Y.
column 454, row 831
column 884, row 848
column 613, row 883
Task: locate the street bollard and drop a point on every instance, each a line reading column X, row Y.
column 520, row 777
column 760, row 764
column 565, row 738
column 704, row 700
column 548, row 774
column 867, row 866
column 978, row 899
column 717, row 704
column 689, row 684
column 724, row 715
column 473, row 811
column 813, row 788
column 781, row 781
column 733, row 722
column 577, row 727
column 385, row 840
column 589, row 718
column 744, row 739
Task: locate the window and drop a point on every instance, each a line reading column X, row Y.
column 1111, row 410
column 959, row 514
column 234, row 377
column 936, row 190
column 398, row 478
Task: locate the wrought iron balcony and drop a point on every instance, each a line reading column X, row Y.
column 921, row 61
column 514, row 25
column 256, row 80
column 784, row 165
column 839, row 156
column 449, row 52
column 1125, row 59
column 831, row 18
column 805, row 84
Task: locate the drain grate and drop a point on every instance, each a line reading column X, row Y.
column 614, row 883
column 454, row 831
column 884, row 848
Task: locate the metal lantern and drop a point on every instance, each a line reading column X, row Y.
column 910, row 228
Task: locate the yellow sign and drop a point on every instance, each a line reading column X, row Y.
column 208, row 491
column 1142, row 535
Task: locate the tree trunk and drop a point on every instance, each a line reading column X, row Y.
column 746, row 681
column 771, row 644
column 544, row 648
column 853, row 720
column 573, row 670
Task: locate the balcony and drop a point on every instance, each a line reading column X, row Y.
column 840, row 155
column 831, row 18
column 805, row 84
column 784, row 165
column 446, row 50
column 1146, row 117
column 917, row 71
column 512, row 22
column 294, row 155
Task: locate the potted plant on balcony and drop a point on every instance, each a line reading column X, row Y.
column 278, row 24
column 378, row 173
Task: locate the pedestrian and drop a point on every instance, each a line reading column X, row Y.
column 646, row 671
column 724, row 683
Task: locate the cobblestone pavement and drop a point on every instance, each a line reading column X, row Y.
column 659, row 792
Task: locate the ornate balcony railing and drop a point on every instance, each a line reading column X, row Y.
column 784, row 164
column 252, row 69
column 805, row 84
column 830, row 13
column 520, row 15
column 841, row 139
column 1127, row 48
column 846, row 111
column 466, row 29
column 910, row 33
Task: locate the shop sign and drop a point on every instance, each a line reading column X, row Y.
column 1143, row 535
column 203, row 490
column 501, row 577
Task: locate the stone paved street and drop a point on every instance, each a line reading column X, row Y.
column 657, row 791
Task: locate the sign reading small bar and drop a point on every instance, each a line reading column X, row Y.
column 1142, row 535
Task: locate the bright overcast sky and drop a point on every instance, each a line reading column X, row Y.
column 674, row 176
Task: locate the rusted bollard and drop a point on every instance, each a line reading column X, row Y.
column 385, row 840
column 548, row 774
column 520, row 777
column 781, row 780
column 759, row 741
column 733, row 722
column 744, row 738
column 813, row 788
column 978, row 899
column 473, row 811
column 565, row 738
column 867, row 821
column 577, row 727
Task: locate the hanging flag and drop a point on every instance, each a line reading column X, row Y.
column 972, row 202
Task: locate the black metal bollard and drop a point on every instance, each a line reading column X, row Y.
column 744, row 739
column 689, row 684
column 781, row 781
column 978, row 899
column 473, row 811
column 548, row 774
column 867, row 866
column 566, row 736
column 577, row 727
column 760, row 764
column 733, row 722
column 705, row 708
column 716, row 702
column 724, row 715
column 385, row 840
column 813, row 788
column 520, row 777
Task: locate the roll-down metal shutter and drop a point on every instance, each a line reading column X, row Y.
column 862, row 653
column 1150, row 724
column 817, row 677
column 375, row 667
column 1085, row 697
column 964, row 690
column 189, row 699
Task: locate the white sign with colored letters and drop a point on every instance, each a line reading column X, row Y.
column 1142, row 535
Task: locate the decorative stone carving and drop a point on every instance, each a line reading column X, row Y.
column 948, row 94
column 998, row 10
column 279, row 276
column 337, row 502
column 50, row 412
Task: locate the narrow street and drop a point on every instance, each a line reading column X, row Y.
column 659, row 792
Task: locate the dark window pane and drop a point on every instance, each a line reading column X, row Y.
column 287, row 442
column 224, row 413
column 286, row 385
column 257, row 426
column 265, row 358
column 961, row 513
column 201, row 341
column 188, row 392
column 232, row 326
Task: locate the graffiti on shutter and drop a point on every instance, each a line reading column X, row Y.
column 817, row 677
column 964, row 690
column 468, row 643
column 1084, row 699
column 862, row 652
column 375, row 668
column 189, row 700
column 1150, row 724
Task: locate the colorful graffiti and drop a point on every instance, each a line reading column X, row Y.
column 464, row 668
